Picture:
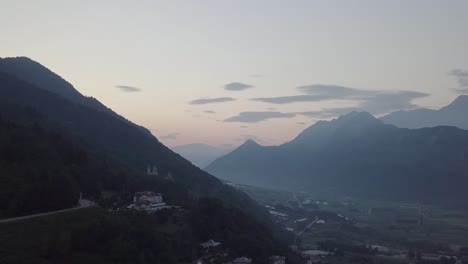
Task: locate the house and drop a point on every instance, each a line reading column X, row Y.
column 241, row 260
column 210, row 244
column 148, row 201
column 277, row 260
column 147, row 197
column 314, row 253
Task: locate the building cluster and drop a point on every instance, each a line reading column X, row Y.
column 213, row 252
column 148, row 201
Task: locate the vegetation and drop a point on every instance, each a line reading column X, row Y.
column 99, row 236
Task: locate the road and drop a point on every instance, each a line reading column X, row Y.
column 81, row 204
column 305, row 228
column 299, row 203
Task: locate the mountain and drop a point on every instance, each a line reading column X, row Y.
column 357, row 155
column 453, row 114
column 32, row 94
column 200, row 154
column 55, row 144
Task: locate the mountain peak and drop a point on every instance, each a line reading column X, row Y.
column 35, row 73
column 357, row 118
column 461, row 101
column 250, row 143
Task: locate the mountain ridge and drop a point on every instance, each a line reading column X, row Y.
column 129, row 147
column 450, row 115
column 359, row 157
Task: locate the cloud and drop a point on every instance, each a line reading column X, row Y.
column 171, row 136
column 301, row 123
column 335, row 91
column 388, row 102
column 462, row 79
column 375, row 102
column 377, row 105
column 209, row 112
column 255, row 75
column 128, row 89
column 203, row 101
column 271, row 108
column 244, row 126
column 237, row 86
column 254, row 117
column 292, row 99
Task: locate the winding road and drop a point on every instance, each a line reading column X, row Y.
column 81, row 204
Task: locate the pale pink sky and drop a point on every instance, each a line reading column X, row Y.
column 180, row 51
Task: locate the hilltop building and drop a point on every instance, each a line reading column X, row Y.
column 210, row 244
column 152, row 170
column 148, row 201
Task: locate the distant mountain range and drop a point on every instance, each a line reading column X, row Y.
column 357, row 155
column 454, row 114
column 201, row 154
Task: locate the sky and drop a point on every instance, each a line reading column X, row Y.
column 221, row 72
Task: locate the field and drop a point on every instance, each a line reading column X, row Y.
column 393, row 230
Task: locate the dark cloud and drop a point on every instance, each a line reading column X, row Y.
column 209, row 112
column 254, row 117
column 129, row 89
column 171, row 136
column 462, row 79
column 203, row 101
column 237, row 86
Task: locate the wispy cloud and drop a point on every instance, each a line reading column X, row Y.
column 255, row 75
column 237, row 86
column 462, row 79
column 203, row 101
column 335, row 91
column 292, row 99
column 375, row 102
column 254, row 117
column 209, row 112
column 128, row 89
column 170, row 136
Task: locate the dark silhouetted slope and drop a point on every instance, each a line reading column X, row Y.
column 104, row 133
